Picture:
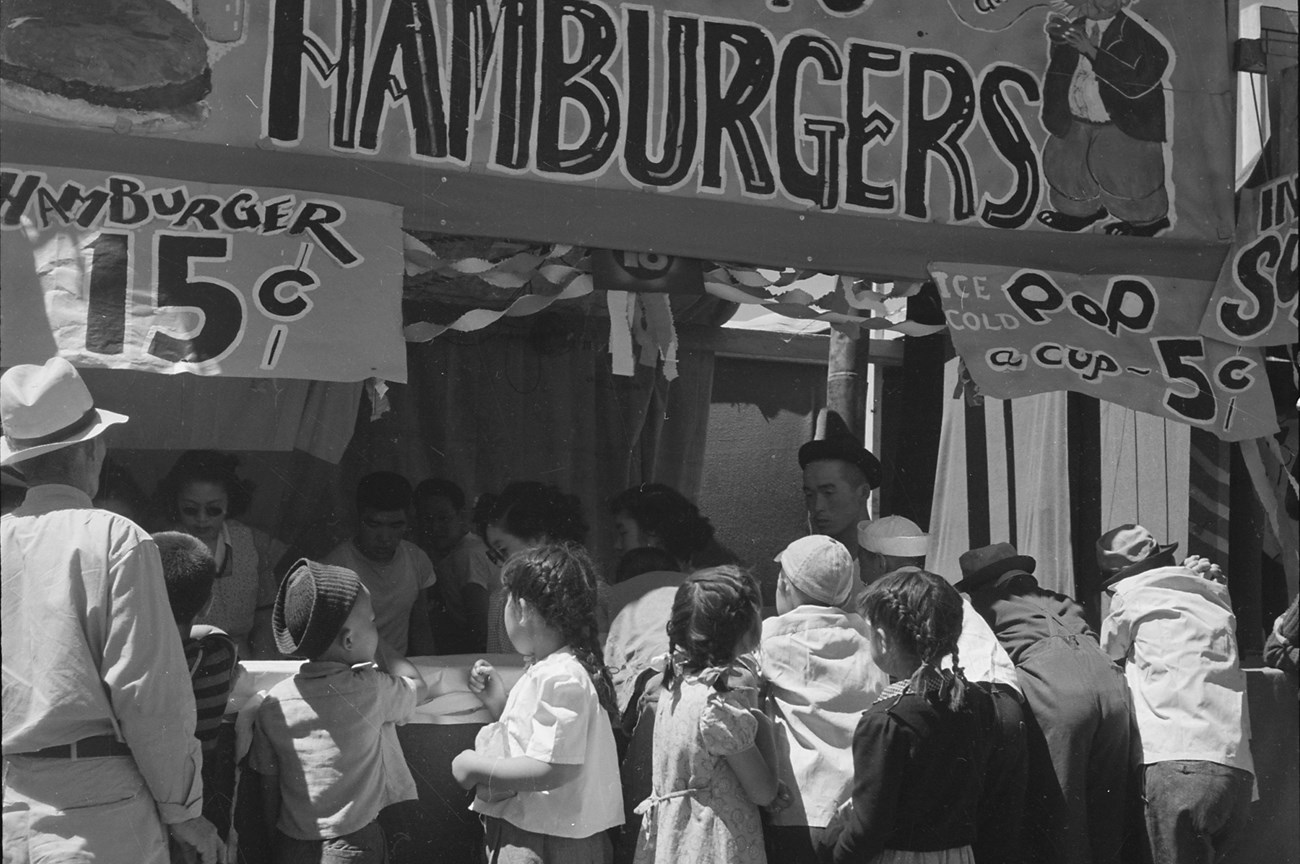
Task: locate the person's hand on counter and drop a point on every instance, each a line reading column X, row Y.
column 486, row 684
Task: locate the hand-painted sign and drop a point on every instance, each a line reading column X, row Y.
column 1125, row 339
column 1254, row 301
column 987, row 113
column 159, row 275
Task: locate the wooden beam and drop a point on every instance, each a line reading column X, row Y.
column 784, row 347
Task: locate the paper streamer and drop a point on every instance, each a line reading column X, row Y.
column 659, row 333
column 621, row 307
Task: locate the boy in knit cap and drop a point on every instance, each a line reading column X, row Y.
column 325, row 741
column 816, row 660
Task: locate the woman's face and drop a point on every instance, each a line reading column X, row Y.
column 505, row 544
column 202, row 507
column 628, row 535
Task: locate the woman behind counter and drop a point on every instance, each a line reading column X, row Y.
column 200, row 496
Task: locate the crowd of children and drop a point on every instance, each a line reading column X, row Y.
column 880, row 723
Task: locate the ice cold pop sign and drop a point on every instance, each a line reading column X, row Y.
column 146, row 273
column 1126, row 339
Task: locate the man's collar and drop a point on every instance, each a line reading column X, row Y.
column 47, row 494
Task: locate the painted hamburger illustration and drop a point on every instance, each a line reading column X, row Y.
column 138, row 63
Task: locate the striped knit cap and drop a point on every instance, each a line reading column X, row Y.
column 311, row 607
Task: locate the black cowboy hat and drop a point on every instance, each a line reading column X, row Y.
column 845, row 448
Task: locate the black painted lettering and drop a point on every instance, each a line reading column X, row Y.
column 316, row 218
column 472, row 40
column 202, row 209
column 730, row 102
column 517, row 85
column 938, row 135
column 582, row 83
column 408, row 30
column 126, row 206
column 678, row 133
column 868, row 126
column 1012, row 142
column 821, row 185
column 221, row 306
column 240, row 213
column 1131, row 304
column 110, row 269
column 1033, row 295
column 16, row 191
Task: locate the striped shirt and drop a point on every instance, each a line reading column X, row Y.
column 213, row 663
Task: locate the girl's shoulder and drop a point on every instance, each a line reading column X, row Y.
column 558, row 671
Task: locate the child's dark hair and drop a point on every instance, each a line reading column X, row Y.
column 923, row 613
column 668, row 515
column 643, row 559
column 713, row 609
column 188, row 569
column 438, row 487
column 205, row 466
column 383, row 491
column 528, row 510
column 559, row 581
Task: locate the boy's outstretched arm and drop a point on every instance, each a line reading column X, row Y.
column 388, row 660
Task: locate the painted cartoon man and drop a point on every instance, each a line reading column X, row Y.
column 1104, row 107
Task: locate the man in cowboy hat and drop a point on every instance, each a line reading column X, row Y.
column 838, row 476
column 99, row 745
column 1078, row 715
column 1174, row 629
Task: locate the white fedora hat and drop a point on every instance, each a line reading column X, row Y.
column 44, row 408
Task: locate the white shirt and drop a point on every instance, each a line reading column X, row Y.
column 1085, row 89
column 819, row 664
column 979, row 652
column 394, row 587
column 553, row 715
column 90, row 646
column 638, row 634
column 1177, row 633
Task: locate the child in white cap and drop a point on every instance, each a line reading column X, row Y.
column 816, row 658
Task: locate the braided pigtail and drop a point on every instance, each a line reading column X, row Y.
column 559, row 581
column 923, row 614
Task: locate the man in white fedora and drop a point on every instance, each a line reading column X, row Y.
column 99, row 746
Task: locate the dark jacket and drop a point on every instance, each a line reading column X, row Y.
column 918, row 771
column 1022, row 613
column 1130, row 66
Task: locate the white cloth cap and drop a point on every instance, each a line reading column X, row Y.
column 893, row 535
column 820, row 567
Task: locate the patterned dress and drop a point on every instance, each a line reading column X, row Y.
column 699, row 812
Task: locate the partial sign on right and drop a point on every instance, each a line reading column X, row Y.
column 1254, row 300
column 1127, row 339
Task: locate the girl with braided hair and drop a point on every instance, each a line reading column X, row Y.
column 546, row 772
column 714, row 754
column 920, row 751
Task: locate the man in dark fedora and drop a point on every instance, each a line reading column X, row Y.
column 1173, row 628
column 99, row 747
column 1079, row 717
column 838, row 476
